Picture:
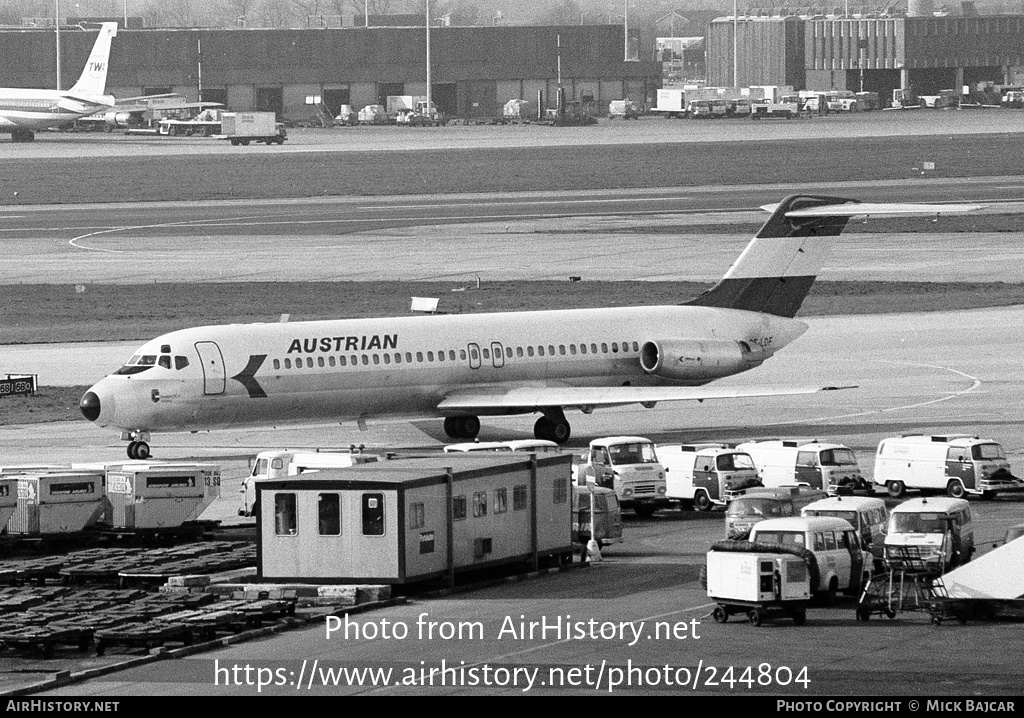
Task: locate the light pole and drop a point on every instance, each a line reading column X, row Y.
column 735, row 43
column 56, row 25
column 625, row 30
column 428, row 57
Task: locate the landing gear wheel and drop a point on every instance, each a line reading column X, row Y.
column 896, row 489
column 701, row 502
column 719, row 615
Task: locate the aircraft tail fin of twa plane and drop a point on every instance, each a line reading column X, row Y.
column 461, row 367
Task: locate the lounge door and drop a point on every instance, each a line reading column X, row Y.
column 214, row 378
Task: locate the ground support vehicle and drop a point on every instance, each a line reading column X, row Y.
column 596, row 514
column 903, row 586
column 958, row 464
column 420, row 116
column 756, row 583
column 188, row 128
column 241, row 128
column 623, row 110
column 629, row 466
column 706, row 476
column 671, row 102
column 706, row 109
column 786, row 108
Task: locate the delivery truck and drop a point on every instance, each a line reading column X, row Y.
column 628, row 465
column 818, row 464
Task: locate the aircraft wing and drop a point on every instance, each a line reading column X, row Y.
column 488, row 400
column 856, row 209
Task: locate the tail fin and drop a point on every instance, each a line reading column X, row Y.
column 778, row 267
column 93, row 80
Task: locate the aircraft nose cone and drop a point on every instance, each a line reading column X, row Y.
column 90, row 406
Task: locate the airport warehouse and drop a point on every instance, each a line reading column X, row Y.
column 474, row 70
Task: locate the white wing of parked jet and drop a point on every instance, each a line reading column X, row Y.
column 481, row 400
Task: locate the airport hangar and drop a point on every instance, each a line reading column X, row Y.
column 474, row 70
column 832, row 49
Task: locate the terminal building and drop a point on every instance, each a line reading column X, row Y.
column 474, row 70
column 921, row 50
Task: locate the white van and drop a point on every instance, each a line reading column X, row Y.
column 839, row 562
column 818, row 464
column 534, row 446
column 930, row 535
column 868, row 516
column 956, row 464
column 703, row 476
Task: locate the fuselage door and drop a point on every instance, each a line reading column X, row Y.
column 212, row 361
column 474, row 356
column 497, row 355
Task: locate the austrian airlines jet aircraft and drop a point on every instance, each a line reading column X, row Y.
column 464, row 366
column 24, row 110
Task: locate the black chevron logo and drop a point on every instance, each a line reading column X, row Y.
column 247, row 377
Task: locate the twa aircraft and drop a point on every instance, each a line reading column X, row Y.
column 461, row 367
column 23, row 110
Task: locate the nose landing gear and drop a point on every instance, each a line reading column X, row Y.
column 138, row 450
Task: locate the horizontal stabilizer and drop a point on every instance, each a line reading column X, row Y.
column 501, row 400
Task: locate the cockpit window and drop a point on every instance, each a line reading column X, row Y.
column 139, row 363
column 148, row 360
column 180, row 362
column 165, row 361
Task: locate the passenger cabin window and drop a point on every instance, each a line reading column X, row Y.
column 285, row 518
column 329, row 512
column 277, row 364
column 373, row 514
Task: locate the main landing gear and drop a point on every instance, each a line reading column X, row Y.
column 462, row 427
column 553, row 426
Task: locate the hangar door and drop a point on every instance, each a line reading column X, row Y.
column 482, row 99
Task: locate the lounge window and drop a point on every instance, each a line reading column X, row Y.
column 417, row 515
column 373, row 514
column 561, row 491
column 520, row 497
column 479, row 504
column 458, row 508
column 329, row 513
column 285, row 517
column 500, row 501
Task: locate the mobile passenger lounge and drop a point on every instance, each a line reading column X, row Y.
column 408, row 520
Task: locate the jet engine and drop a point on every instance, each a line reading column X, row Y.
column 120, row 119
column 693, row 360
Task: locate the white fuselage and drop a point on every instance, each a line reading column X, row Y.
column 303, row 372
column 38, row 109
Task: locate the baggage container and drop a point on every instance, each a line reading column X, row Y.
column 58, row 503
column 164, row 495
